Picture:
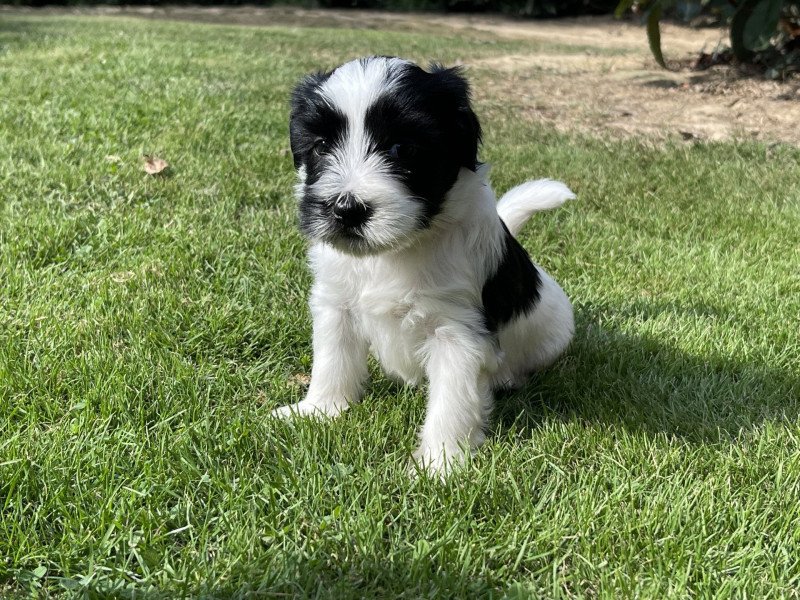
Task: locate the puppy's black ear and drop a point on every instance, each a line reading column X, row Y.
column 454, row 86
column 303, row 105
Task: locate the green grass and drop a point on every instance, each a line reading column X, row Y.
column 149, row 324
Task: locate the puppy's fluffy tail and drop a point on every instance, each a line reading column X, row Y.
column 518, row 204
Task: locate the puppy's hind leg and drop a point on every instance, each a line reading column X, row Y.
column 340, row 365
column 536, row 340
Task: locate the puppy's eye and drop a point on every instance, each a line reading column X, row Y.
column 320, row 147
column 402, row 151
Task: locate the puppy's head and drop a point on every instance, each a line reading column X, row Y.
column 377, row 144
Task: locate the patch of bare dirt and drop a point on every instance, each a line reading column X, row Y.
column 628, row 96
column 611, row 85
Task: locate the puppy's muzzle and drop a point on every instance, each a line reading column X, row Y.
column 350, row 212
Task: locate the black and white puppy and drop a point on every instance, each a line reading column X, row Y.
column 413, row 257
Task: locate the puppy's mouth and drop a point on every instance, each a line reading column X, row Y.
column 352, row 241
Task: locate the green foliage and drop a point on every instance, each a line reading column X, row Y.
column 753, row 25
column 762, row 32
column 654, row 32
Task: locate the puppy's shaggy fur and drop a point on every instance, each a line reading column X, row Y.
column 413, row 257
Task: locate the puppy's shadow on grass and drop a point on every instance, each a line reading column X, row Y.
column 645, row 383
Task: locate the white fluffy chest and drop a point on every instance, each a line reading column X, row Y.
column 397, row 302
column 396, row 321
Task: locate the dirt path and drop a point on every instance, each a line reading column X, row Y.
column 621, row 94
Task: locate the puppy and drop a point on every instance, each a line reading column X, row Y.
column 413, row 258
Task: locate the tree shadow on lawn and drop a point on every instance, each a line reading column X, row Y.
column 646, row 384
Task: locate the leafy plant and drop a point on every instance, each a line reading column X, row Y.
column 762, row 32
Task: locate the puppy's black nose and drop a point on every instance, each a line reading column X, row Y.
column 350, row 211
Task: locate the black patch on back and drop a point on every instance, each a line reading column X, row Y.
column 514, row 288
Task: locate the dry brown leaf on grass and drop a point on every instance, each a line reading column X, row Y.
column 154, row 165
column 300, row 379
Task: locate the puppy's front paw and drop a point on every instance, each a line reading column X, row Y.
column 436, row 463
column 309, row 408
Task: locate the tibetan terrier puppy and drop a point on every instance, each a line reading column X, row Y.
column 413, row 257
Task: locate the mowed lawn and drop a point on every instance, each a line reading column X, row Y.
column 148, row 325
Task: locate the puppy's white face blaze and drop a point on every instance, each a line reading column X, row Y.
column 377, row 144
